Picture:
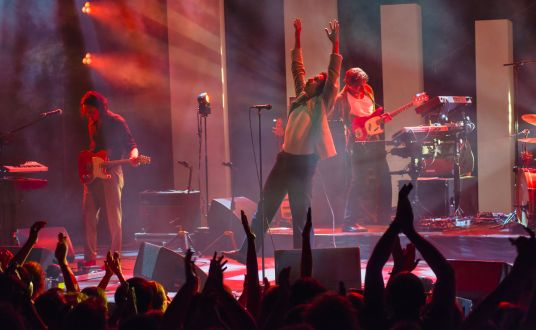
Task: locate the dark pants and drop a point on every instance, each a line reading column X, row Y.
column 292, row 174
column 368, row 199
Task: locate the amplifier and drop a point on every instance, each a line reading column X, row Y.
column 170, row 210
column 437, row 195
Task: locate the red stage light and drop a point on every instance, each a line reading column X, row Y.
column 87, row 59
column 87, row 8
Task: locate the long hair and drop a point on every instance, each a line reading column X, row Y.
column 97, row 100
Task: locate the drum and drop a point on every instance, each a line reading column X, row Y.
column 526, row 195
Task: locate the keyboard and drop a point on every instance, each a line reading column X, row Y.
column 27, row 167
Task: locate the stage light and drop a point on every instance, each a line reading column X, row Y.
column 87, row 8
column 204, row 104
column 87, row 59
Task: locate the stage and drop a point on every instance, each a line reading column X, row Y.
column 484, row 242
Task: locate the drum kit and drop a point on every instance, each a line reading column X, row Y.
column 526, row 178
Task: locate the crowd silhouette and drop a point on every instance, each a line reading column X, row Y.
column 402, row 303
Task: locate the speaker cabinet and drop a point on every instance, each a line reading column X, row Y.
column 168, row 211
column 437, row 195
column 475, row 279
column 221, row 218
column 164, row 266
column 48, row 239
column 330, row 266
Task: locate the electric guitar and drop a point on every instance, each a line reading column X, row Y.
column 94, row 165
column 371, row 125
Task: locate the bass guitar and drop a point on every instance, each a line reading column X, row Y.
column 92, row 165
column 371, row 125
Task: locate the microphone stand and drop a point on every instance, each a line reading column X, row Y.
column 231, row 167
column 261, row 193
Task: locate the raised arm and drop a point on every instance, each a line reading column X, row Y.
column 61, row 255
column 331, row 87
column 297, row 67
column 20, row 258
column 253, row 289
column 333, row 36
column 175, row 315
column 374, row 286
column 307, row 256
column 511, row 286
column 444, row 294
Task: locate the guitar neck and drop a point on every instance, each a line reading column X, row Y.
column 402, row 108
column 116, row 162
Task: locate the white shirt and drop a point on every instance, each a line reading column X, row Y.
column 360, row 107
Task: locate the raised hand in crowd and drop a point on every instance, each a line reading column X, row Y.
column 61, row 256
column 511, row 288
column 307, row 256
column 252, row 286
column 24, row 251
column 177, row 311
column 442, row 311
column 112, row 265
column 403, row 258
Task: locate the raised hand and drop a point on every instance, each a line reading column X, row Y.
column 297, row 25
column 404, row 212
column 34, row 231
column 404, row 259
column 108, row 264
column 526, row 249
column 215, row 273
column 297, row 33
column 245, row 224
column 61, row 249
column 308, row 225
column 333, row 35
column 189, row 268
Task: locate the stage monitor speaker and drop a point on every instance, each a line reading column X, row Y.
column 221, row 218
column 475, row 279
column 164, row 266
column 48, row 239
column 167, row 211
column 330, row 266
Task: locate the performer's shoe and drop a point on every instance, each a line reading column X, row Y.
column 236, row 255
column 355, row 228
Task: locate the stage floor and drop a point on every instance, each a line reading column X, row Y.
column 483, row 242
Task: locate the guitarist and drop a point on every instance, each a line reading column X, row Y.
column 368, row 198
column 108, row 132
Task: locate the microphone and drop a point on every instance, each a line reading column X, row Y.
column 228, row 164
column 51, row 113
column 261, row 106
column 184, row 163
column 523, row 132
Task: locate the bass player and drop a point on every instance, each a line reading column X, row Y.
column 368, row 198
column 108, row 132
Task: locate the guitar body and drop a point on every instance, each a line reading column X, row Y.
column 370, row 125
column 90, row 166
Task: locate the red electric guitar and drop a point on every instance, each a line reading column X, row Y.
column 94, row 165
column 371, row 125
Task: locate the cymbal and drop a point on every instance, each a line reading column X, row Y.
column 529, row 118
column 528, row 140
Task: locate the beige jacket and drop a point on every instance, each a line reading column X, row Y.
column 307, row 130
